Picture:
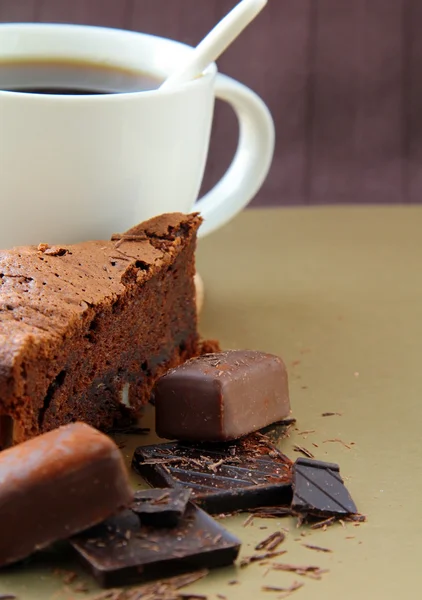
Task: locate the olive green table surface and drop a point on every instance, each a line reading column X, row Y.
column 337, row 292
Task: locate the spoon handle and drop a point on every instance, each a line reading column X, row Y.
column 214, row 44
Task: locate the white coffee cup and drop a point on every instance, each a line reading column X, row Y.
column 76, row 168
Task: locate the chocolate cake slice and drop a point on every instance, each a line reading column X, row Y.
column 86, row 329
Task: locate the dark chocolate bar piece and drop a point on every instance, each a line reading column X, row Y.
column 161, row 507
column 56, row 485
column 319, row 490
column 223, row 478
column 221, row 396
column 121, row 550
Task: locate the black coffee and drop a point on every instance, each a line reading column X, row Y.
column 72, row 77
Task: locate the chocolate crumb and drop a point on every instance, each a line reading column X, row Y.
column 233, row 582
column 8, row 597
column 55, row 251
column 332, row 414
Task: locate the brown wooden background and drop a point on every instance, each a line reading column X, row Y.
column 342, row 78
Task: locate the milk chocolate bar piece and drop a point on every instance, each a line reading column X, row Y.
column 319, row 490
column 161, row 507
column 223, row 478
column 221, row 396
column 56, row 485
column 121, row 550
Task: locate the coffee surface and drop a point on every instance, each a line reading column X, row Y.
column 72, row 78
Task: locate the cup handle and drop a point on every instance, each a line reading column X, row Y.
column 251, row 162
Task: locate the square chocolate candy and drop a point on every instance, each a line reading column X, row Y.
column 221, row 396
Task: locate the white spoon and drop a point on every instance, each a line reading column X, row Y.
column 216, row 42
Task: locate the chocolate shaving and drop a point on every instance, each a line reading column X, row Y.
column 317, row 548
column 324, row 523
column 164, row 589
column 356, row 518
column 338, row 441
column 248, row 520
column 332, row 414
column 272, row 541
column 163, row 499
column 310, row 571
column 8, row 597
column 303, row 450
column 271, row 588
column 268, row 446
column 214, row 466
column 272, row 512
column 247, row 560
column 300, row 520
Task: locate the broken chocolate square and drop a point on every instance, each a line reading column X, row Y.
column 161, row 507
column 319, row 490
column 122, row 551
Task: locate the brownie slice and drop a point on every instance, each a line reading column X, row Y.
column 86, row 329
